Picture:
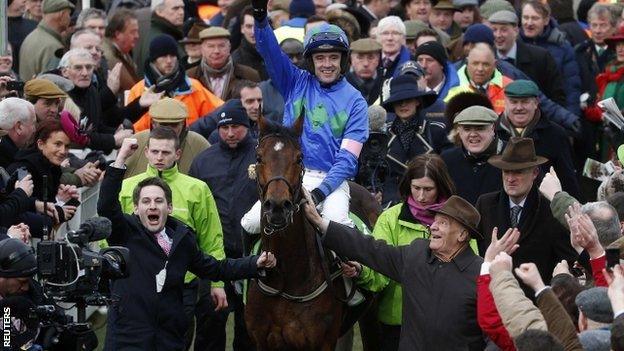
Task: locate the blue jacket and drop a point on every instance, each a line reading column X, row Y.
column 404, row 56
column 553, row 40
column 451, row 80
column 553, row 111
column 336, row 119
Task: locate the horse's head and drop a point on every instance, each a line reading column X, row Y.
column 279, row 172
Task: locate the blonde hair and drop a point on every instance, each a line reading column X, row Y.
column 73, row 109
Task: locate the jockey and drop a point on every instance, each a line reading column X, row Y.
column 336, row 120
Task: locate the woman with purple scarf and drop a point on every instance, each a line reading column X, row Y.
column 425, row 186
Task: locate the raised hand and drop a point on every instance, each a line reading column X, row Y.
column 113, row 81
column 502, row 262
column 259, row 9
column 149, row 97
column 128, row 147
column 122, row 134
column 67, row 192
column 507, row 243
column 561, row 268
column 550, row 184
column 530, row 276
column 616, row 287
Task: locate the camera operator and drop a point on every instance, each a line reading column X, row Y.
column 150, row 314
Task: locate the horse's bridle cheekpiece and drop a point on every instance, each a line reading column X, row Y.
column 297, row 198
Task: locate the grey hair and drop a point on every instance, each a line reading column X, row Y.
column 78, row 33
column 391, row 21
column 13, row 110
column 608, row 228
column 600, row 10
column 88, row 14
column 157, row 5
column 74, row 53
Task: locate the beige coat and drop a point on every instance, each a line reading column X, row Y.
column 191, row 146
column 37, row 53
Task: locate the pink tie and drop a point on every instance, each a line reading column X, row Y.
column 163, row 242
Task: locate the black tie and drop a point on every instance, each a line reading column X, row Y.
column 515, row 218
column 510, row 60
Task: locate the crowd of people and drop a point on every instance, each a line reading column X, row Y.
column 473, row 123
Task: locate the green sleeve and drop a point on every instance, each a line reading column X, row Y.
column 125, row 195
column 559, row 206
column 208, row 227
column 369, row 279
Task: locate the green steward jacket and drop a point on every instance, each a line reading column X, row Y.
column 398, row 227
column 193, row 204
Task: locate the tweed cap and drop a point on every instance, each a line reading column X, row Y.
column 213, row 33
column 504, row 17
column 444, row 5
column 168, row 110
column 462, row 3
column 476, row 116
column 413, row 27
column 595, row 304
column 522, row 88
column 43, row 88
column 490, row 6
column 51, row 6
column 365, row 45
column 65, row 84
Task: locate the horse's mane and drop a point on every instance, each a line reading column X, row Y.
column 271, row 128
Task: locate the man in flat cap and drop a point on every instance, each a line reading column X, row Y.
column 522, row 117
column 445, row 258
column 473, row 134
column 168, row 113
column 504, row 24
column 217, row 71
column 543, row 240
column 193, row 203
column 120, row 37
column 224, row 168
column 37, row 53
column 45, row 96
column 164, row 73
column 364, row 74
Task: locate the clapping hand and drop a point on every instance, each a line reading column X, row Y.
column 616, row 287
column 114, row 78
column 528, row 273
column 561, row 268
column 507, row 244
column 21, row 232
column 502, row 262
column 266, row 260
column 550, row 184
column 66, row 192
column 583, row 233
column 149, row 97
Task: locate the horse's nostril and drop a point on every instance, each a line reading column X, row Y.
column 268, row 205
column 288, row 205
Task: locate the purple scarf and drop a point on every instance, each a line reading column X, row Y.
column 423, row 214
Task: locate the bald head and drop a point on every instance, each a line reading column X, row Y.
column 481, row 63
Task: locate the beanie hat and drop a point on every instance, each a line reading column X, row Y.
column 162, row 45
column 301, row 8
column 232, row 112
column 479, row 33
column 433, row 49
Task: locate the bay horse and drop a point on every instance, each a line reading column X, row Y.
column 299, row 304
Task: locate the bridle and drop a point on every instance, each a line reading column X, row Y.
column 297, row 198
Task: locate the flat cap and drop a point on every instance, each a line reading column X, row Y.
column 595, row 304
column 168, row 110
column 444, row 5
column 65, row 84
column 43, row 88
column 413, row 27
column 476, row 115
column 51, row 6
column 461, row 3
column 490, row 6
column 365, row 45
column 214, row 32
column 504, row 17
column 522, row 88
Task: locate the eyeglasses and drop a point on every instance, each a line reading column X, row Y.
column 392, row 33
column 88, row 67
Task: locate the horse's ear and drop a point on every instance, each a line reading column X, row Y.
column 262, row 123
column 298, row 126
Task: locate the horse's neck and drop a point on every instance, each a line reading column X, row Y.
column 295, row 249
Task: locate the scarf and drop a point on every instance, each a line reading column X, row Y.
column 423, row 213
column 406, row 131
column 521, row 132
column 172, row 84
column 611, row 82
column 226, row 72
column 482, row 157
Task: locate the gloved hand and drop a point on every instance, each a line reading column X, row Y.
column 317, row 196
column 259, row 9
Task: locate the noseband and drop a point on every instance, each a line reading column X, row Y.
column 297, row 199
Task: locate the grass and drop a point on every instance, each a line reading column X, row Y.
column 98, row 321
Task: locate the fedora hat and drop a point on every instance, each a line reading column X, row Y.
column 192, row 37
column 405, row 87
column 518, row 154
column 463, row 212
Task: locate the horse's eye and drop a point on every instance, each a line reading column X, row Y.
column 258, row 159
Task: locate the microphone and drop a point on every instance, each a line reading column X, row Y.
column 376, row 119
column 93, row 229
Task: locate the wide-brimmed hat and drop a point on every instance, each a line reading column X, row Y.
column 405, row 87
column 463, row 212
column 192, row 37
column 518, row 154
column 615, row 38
